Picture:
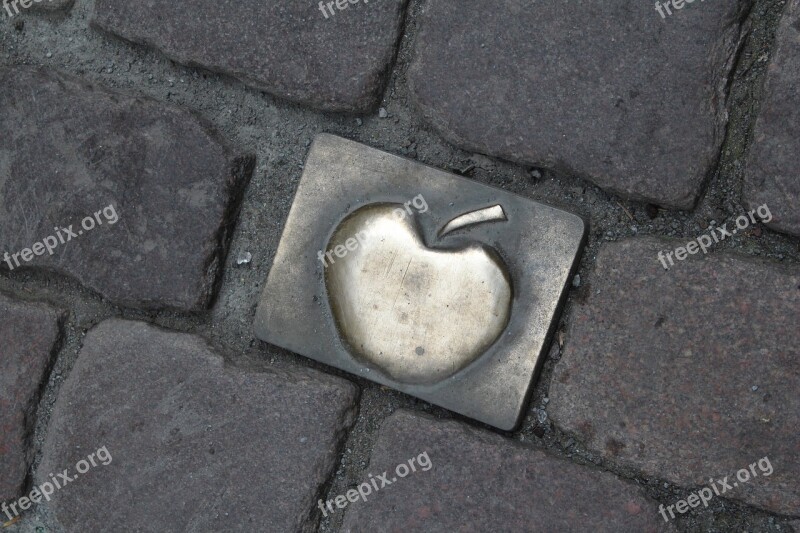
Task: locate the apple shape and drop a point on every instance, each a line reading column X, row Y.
column 417, row 314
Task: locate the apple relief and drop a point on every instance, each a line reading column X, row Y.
column 417, row 313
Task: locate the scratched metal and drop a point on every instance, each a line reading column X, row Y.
column 452, row 303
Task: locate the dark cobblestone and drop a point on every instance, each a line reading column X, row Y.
column 196, row 445
column 774, row 169
column 287, row 48
column 687, row 374
column 480, row 482
column 610, row 91
column 29, row 334
column 71, row 149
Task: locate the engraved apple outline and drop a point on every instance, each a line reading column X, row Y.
column 417, row 313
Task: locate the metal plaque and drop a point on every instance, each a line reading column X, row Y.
column 421, row 280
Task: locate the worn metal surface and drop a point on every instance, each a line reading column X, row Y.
column 423, row 281
column 418, row 314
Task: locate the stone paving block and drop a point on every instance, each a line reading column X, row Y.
column 71, row 149
column 773, row 175
column 29, row 335
column 688, row 374
column 478, row 481
column 288, row 48
column 607, row 90
column 196, row 445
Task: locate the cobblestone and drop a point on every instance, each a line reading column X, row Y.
column 29, row 334
column 71, row 149
column 699, row 382
column 774, row 169
column 289, row 48
column 606, row 90
column 196, row 445
column 480, row 482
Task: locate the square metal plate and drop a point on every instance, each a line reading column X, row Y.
column 421, row 280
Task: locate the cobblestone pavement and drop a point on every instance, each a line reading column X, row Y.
column 149, row 154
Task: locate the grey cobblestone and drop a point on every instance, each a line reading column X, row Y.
column 196, row 446
column 479, row 482
column 698, row 383
column 774, row 169
column 337, row 62
column 28, row 335
column 72, row 148
column 609, row 91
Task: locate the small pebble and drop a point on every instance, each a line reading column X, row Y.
column 576, row 281
column 382, row 113
column 49, row 54
column 754, row 388
column 244, row 258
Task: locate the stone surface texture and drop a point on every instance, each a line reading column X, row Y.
column 700, row 381
column 288, row 48
column 609, row 91
column 481, row 482
column 773, row 175
column 29, row 335
column 71, row 149
column 196, row 445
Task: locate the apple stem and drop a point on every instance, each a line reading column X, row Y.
column 494, row 213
